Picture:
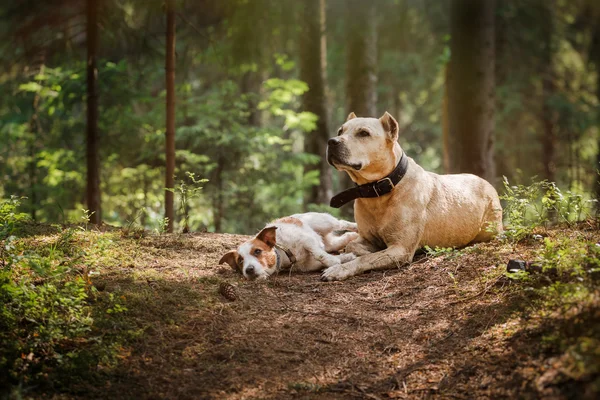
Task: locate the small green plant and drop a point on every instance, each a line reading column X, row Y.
column 132, row 227
column 162, row 225
column 87, row 215
column 438, row 251
column 187, row 190
column 454, row 280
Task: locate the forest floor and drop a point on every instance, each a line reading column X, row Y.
column 447, row 326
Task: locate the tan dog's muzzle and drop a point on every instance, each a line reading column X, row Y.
column 338, row 154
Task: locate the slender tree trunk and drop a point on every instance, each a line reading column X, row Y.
column 361, row 68
column 145, row 189
column 549, row 132
column 312, row 71
column 93, row 160
column 446, row 126
column 596, row 169
column 549, row 115
column 219, row 206
column 35, row 129
column 595, row 57
column 361, row 58
column 471, row 87
column 250, row 85
column 170, row 132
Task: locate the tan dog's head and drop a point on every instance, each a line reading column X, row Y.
column 364, row 147
column 256, row 258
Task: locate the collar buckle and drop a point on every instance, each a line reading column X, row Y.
column 392, row 186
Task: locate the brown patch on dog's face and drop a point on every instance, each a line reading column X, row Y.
column 264, row 253
column 290, row 220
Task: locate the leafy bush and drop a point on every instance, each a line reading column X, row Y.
column 47, row 323
column 540, row 204
column 565, row 282
column 570, row 258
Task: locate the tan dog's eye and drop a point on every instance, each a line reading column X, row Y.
column 257, row 252
column 363, row 134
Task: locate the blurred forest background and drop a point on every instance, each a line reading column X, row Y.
column 104, row 101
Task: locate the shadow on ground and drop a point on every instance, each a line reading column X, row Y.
column 442, row 327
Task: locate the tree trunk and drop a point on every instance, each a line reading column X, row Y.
column 549, row 133
column 361, row 58
column 549, row 115
column 93, row 162
column 361, row 68
column 445, row 126
column 595, row 57
column 170, row 131
column 35, row 130
column 471, row 87
column 313, row 72
column 219, row 206
column 250, row 85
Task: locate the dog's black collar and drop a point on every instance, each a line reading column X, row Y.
column 373, row 189
column 288, row 253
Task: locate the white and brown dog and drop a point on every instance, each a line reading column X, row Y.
column 301, row 241
column 399, row 206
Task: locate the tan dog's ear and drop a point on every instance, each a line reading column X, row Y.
column 268, row 236
column 350, row 116
column 390, row 125
column 232, row 258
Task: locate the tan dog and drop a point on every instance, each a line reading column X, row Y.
column 423, row 208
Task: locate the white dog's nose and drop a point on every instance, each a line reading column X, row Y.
column 250, row 271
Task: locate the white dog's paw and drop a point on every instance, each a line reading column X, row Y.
column 345, row 257
column 337, row 272
column 352, row 235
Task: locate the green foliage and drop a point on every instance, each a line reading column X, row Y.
column 280, row 94
column 47, row 324
column 438, row 251
column 186, row 190
column 563, row 279
column 539, row 204
column 571, row 258
column 570, row 276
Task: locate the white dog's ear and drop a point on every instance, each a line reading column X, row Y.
column 350, row 116
column 232, row 258
column 268, row 236
column 390, row 125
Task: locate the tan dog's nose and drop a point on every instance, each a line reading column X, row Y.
column 333, row 142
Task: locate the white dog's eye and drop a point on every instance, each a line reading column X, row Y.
column 340, row 131
column 363, row 133
column 257, row 252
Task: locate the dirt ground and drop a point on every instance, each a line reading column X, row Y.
column 446, row 327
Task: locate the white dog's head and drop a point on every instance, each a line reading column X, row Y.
column 256, row 258
column 364, row 147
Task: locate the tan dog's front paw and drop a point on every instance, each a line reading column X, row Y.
column 336, row 273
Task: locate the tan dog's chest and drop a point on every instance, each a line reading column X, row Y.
column 381, row 224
